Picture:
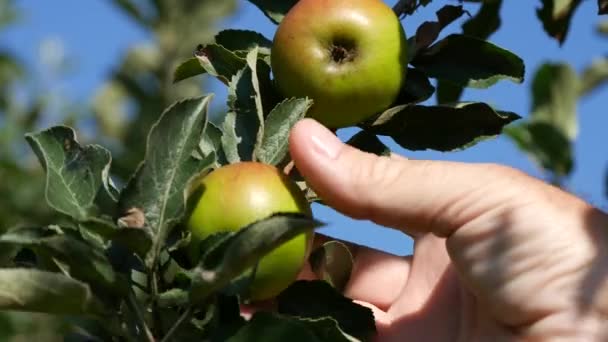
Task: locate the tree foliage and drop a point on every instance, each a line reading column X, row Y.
column 91, row 232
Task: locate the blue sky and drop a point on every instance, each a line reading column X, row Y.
column 93, row 34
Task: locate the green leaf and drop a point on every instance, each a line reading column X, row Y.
column 224, row 319
column 333, row 262
column 545, row 144
column 39, row 291
column 213, row 59
column 275, row 142
column 252, row 62
column 190, row 68
column 368, row 142
column 272, row 327
column 212, row 142
column 243, row 125
column 158, row 188
column 79, row 259
column 240, row 251
column 219, row 62
column 243, row 41
column 594, row 76
column 548, row 133
column 469, row 62
column 485, row 22
column 405, row 8
column 274, row 10
column 555, row 91
column 448, row 92
column 602, row 28
column 230, row 139
column 441, row 128
column 417, row 88
column 428, row 31
column 137, row 240
column 316, row 299
column 173, row 298
column 74, row 173
column 556, row 15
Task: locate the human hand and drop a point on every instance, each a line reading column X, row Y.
column 498, row 255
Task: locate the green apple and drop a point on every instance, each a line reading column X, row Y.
column 349, row 56
column 234, row 196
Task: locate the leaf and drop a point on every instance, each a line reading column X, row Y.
column 428, row 31
column 442, row 128
column 213, row 59
column 602, row 7
column 271, row 327
column 74, row 173
column 556, row 15
column 238, row 252
column 158, row 186
column 469, row 62
column 368, row 142
column 225, row 319
column 274, row 10
column 190, row 68
column 252, row 62
column 333, row 262
column 133, row 237
column 230, row 140
column 282, row 118
column 417, row 88
column 594, row 76
column 212, row 142
column 174, row 297
column 243, row 41
column 548, row 133
column 39, row 291
column 82, row 261
column 219, row 62
column 545, row 144
column 243, row 124
column 448, row 92
column 602, row 28
column 405, row 8
column 555, row 91
column 485, row 22
column 316, row 299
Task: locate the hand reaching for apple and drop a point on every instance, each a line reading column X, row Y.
column 499, row 256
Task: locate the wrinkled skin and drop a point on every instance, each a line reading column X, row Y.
column 349, row 56
column 498, row 256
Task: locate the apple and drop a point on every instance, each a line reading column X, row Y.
column 348, row 56
column 236, row 195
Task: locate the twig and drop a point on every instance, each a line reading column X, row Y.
column 141, row 321
column 176, row 325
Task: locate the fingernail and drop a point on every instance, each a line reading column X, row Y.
column 325, row 142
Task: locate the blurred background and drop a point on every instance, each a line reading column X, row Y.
column 105, row 68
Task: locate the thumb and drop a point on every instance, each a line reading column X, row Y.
column 411, row 195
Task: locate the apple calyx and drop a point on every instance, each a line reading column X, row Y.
column 343, row 51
